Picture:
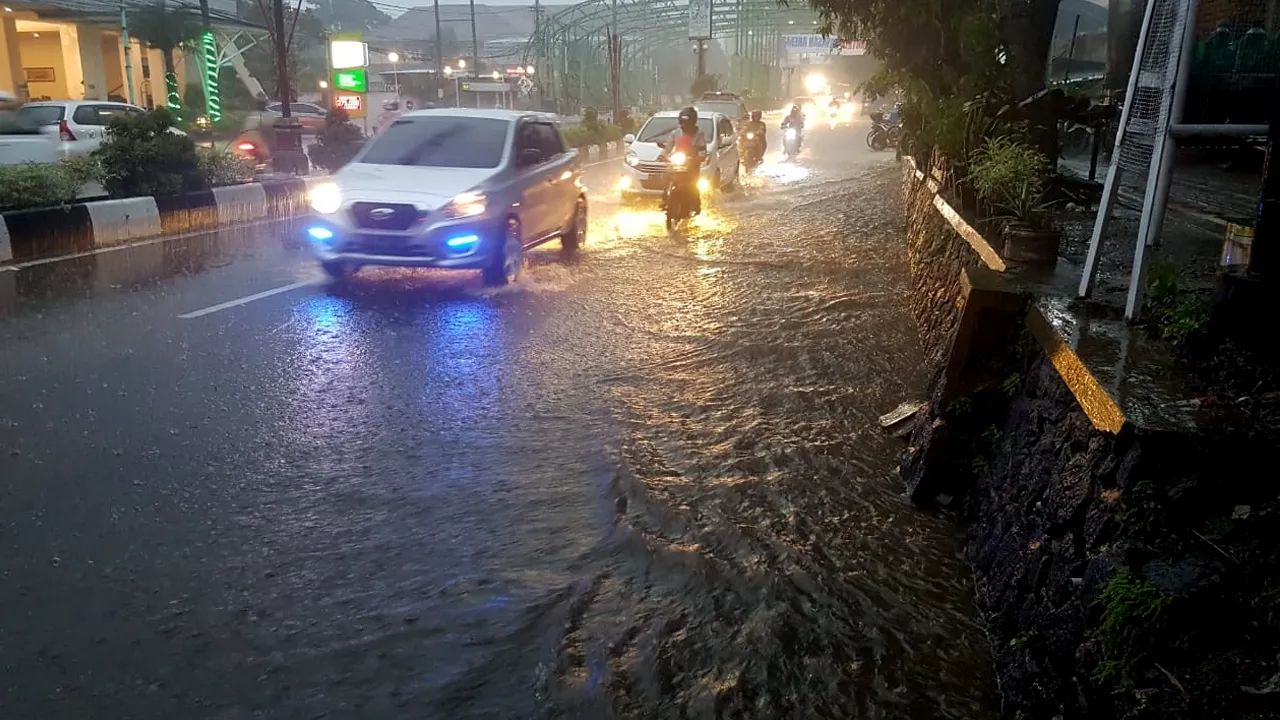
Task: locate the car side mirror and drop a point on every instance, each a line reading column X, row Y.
column 628, row 139
column 529, row 157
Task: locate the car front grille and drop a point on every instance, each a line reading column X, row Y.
column 388, row 245
column 651, row 167
column 384, row 216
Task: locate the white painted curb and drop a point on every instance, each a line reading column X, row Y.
column 240, row 203
column 611, row 148
column 6, row 249
column 593, row 152
column 117, row 221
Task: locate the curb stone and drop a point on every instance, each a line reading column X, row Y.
column 42, row 233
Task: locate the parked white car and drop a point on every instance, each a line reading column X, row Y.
column 80, row 125
column 645, row 175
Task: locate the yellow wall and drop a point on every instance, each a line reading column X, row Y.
column 45, row 51
column 113, row 67
column 10, row 58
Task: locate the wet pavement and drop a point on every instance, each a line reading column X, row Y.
column 645, row 482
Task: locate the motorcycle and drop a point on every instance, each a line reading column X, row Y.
column 752, row 152
column 790, row 142
column 682, row 198
column 250, row 146
column 883, row 134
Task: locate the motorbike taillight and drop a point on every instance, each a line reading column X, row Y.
column 246, row 147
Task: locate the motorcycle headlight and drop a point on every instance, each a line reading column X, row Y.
column 704, row 185
column 465, row 205
column 632, row 160
column 751, row 136
column 326, row 198
column 677, row 158
column 791, row 133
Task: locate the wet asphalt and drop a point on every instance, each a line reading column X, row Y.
column 644, row 482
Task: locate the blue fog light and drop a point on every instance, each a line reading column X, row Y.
column 319, row 233
column 462, row 243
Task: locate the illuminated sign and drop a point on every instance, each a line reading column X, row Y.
column 352, row 103
column 345, row 54
column 354, row 80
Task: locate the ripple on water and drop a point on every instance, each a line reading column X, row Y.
column 762, row 561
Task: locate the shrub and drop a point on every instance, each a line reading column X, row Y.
column 582, row 135
column 338, row 143
column 142, row 155
column 220, row 167
column 32, row 185
column 1010, row 176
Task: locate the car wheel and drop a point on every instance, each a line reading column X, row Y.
column 338, row 271
column 508, row 261
column 576, row 236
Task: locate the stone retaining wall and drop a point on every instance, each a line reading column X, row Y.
column 1065, row 484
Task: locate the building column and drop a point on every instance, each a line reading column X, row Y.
column 92, row 63
column 12, row 79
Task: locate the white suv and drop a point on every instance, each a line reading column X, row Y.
column 81, row 125
column 644, row 175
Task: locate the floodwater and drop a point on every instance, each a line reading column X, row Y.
column 647, row 482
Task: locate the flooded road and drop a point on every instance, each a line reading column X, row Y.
column 646, row 482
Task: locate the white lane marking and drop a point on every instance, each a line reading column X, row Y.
column 246, row 299
column 142, row 243
column 602, row 162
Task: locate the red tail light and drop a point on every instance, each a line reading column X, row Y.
column 245, row 146
column 64, row 132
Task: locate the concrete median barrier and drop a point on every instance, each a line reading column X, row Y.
column 119, row 221
column 43, row 233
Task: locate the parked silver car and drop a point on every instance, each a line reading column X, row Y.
column 451, row 188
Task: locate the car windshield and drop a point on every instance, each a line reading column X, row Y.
column 440, row 141
column 728, row 108
column 659, row 127
column 41, row 114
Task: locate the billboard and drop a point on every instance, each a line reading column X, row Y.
column 353, row 103
column 699, row 19
column 354, row 80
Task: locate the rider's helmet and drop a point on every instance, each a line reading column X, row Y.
column 795, row 110
column 688, row 119
column 756, row 115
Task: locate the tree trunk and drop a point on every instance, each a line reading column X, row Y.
column 173, row 100
column 1027, row 28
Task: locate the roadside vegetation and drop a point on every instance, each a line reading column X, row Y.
column 142, row 156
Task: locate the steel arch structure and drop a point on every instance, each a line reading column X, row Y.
column 570, row 49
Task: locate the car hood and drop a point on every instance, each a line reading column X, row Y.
column 649, row 152
column 430, row 186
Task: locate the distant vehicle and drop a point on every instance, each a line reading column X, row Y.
column 727, row 104
column 79, row 126
column 311, row 116
column 451, row 188
column 644, row 174
column 807, row 105
column 23, row 142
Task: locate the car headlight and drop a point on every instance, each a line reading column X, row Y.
column 704, row 185
column 326, row 198
column 465, row 205
column 632, row 160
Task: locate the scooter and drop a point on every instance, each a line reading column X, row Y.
column 752, row 153
column 251, row 146
column 790, row 142
column 883, row 134
column 682, row 198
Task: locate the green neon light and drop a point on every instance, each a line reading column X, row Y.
column 172, row 99
column 212, row 98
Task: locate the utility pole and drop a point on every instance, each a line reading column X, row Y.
column 128, row 52
column 615, row 65
column 439, row 55
column 475, row 44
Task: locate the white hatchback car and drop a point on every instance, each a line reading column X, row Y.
column 645, row 175
column 81, row 125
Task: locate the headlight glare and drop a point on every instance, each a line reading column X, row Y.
column 326, row 198
column 678, row 158
column 465, row 205
column 632, row 160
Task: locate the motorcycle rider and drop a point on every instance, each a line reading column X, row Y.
column 688, row 139
column 795, row 119
column 755, row 126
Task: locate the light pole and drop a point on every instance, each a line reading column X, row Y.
column 394, row 58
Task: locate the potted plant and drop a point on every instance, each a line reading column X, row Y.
column 1010, row 176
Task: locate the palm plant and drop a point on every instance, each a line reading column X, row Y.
column 166, row 28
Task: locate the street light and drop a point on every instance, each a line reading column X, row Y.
column 462, row 64
column 497, row 75
column 529, row 70
column 324, row 85
column 394, row 58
